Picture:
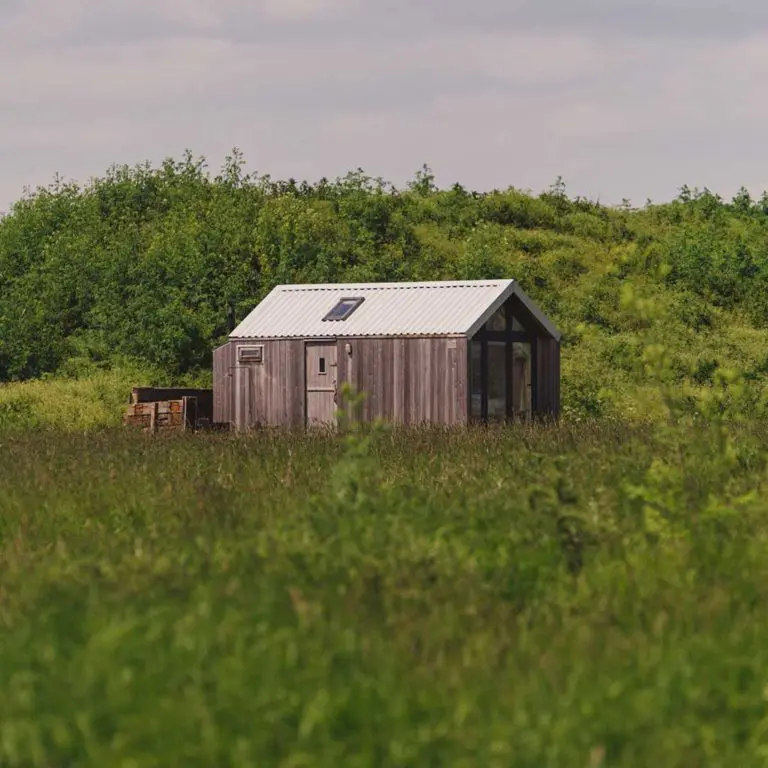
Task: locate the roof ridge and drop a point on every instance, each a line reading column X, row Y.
column 400, row 286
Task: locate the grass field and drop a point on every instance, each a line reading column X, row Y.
column 588, row 595
column 584, row 595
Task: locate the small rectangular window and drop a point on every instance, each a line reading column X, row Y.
column 251, row 354
column 321, row 365
column 343, row 309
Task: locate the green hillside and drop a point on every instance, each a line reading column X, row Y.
column 147, row 267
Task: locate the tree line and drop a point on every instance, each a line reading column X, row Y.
column 156, row 264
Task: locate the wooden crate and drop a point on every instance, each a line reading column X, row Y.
column 162, row 414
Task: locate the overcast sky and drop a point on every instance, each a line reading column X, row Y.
column 623, row 98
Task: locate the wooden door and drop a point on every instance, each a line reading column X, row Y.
column 321, row 377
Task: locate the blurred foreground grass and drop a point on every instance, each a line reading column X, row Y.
column 584, row 595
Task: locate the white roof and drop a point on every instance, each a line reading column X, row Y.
column 446, row 308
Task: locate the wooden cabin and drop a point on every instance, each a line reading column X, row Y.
column 446, row 353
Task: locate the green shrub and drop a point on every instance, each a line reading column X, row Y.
column 153, row 264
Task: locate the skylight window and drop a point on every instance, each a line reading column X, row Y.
column 343, row 309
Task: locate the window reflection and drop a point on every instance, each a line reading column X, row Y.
column 521, row 379
column 498, row 320
column 507, row 377
column 497, row 380
column 476, row 380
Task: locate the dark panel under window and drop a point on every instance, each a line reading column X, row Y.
column 343, row 309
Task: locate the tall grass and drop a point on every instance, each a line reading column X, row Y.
column 583, row 595
column 83, row 398
column 65, row 403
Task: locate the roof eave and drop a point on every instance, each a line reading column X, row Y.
column 311, row 337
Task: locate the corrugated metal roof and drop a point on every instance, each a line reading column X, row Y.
column 389, row 309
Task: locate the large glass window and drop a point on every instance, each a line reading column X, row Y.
column 497, row 380
column 501, row 376
column 477, row 380
column 521, row 380
column 498, row 320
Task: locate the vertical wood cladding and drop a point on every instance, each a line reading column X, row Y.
column 407, row 380
column 548, row 370
column 271, row 393
column 224, row 384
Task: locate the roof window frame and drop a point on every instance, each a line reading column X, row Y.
column 356, row 302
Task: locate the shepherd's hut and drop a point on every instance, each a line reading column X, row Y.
column 449, row 353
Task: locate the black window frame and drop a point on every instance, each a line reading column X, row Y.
column 354, row 301
column 528, row 336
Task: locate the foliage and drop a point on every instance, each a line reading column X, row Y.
column 437, row 598
column 82, row 397
column 155, row 264
column 586, row 594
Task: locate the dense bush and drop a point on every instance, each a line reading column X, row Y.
column 155, row 264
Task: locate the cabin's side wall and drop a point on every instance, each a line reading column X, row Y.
column 224, row 384
column 270, row 393
column 548, row 376
column 407, row 380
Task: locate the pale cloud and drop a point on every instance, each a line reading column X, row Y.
column 155, row 72
column 295, row 10
column 623, row 100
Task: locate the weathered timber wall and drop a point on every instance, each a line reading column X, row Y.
column 270, row 393
column 224, row 384
column 548, row 376
column 407, row 380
